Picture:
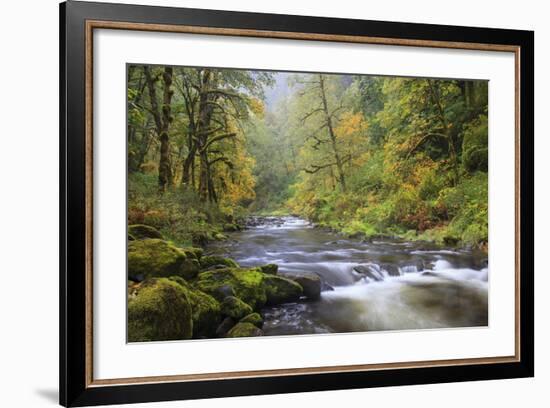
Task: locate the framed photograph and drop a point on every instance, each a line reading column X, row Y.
column 256, row 204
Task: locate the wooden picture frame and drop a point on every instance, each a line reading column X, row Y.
column 78, row 20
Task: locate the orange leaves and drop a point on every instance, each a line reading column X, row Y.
column 351, row 127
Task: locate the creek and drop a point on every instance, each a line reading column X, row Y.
column 367, row 285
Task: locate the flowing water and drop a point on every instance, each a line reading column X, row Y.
column 376, row 285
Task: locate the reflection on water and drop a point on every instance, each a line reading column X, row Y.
column 378, row 285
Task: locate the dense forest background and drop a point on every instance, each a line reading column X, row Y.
column 363, row 155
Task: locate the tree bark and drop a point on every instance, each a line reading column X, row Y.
column 206, row 100
column 328, row 118
column 453, row 156
column 165, row 168
column 162, row 118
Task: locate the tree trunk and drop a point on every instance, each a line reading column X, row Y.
column 165, row 168
column 337, row 158
column 162, row 118
column 205, row 115
column 448, row 135
column 189, row 163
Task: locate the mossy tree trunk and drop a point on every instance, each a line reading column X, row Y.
column 162, row 118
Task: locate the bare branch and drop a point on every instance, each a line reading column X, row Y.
column 307, row 116
column 315, row 168
column 217, row 139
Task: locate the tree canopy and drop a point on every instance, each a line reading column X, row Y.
column 361, row 154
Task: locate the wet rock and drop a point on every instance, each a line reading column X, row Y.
column 325, row 287
column 310, row 283
column 254, row 318
column 225, row 326
column 391, row 269
column 244, row 330
column 235, row 308
column 257, row 221
column 192, row 252
column 429, row 273
column 246, row 284
column 451, row 241
column 140, row 231
column 281, row 290
column 214, row 267
column 370, row 270
column 213, row 260
column 270, row 269
column 356, row 235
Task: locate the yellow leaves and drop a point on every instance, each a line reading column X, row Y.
column 351, row 127
column 257, row 107
column 239, row 181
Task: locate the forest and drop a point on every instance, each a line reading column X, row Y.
column 277, row 203
column 364, row 155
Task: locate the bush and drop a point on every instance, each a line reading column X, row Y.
column 475, row 155
column 178, row 213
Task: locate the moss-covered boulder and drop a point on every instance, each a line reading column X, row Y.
column 218, row 236
column 206, row 311
column 246, row 284
column 192, row 252
column 141, row 231
column 225, row 326
column 215, row 260
column 310, row 283
column 159, row 311
column 254, row 318
column 244, row 330
column 270, row 269
column 157, row 258
column 235, row 308
column 281, row 290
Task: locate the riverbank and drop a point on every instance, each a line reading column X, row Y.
column 357, row 230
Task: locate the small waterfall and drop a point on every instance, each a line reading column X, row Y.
column 408, row 269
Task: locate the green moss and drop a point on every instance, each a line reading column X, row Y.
column 160, row 310
column 218, row 236
column 358, row 229
column 244, row 330
column 231, row 227
column 191, row 252
column 213, row 260
column 140, row 231
column 206, row 310
column 235, row 308
column 131, row 237
column 270, row 269
column 281, row 290
column 254, row 318
column 246, row 284
column 158, row 258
